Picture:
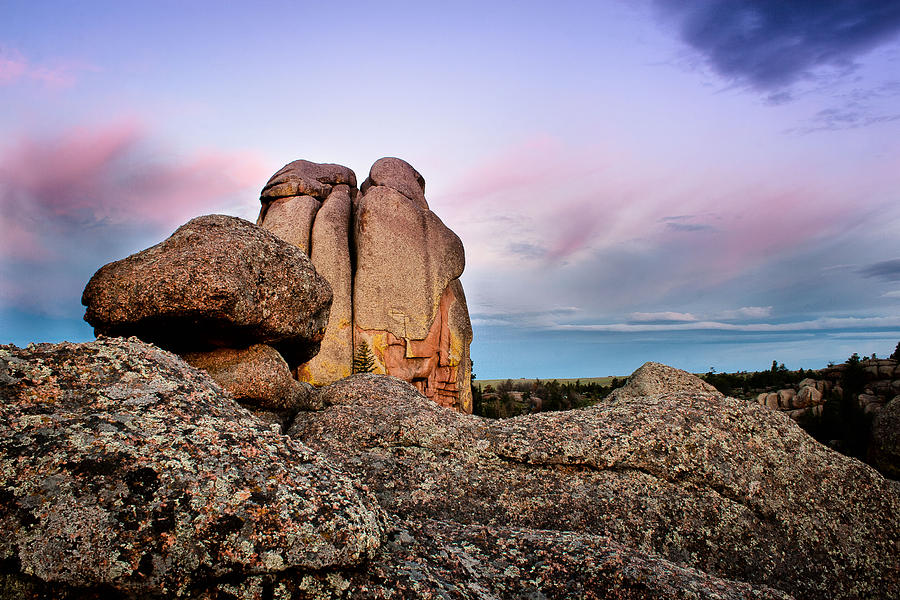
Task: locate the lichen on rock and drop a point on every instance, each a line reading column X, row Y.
column 123, row 467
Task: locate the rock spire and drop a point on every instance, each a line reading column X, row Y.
column 394, row 268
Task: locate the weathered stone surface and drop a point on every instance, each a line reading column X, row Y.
column 405, row 259
column 656, row 378
column 884, row 446
column 218, row 281
column 398, row 175
column 257, row 377
column 698, row 479
column 304, row 178
column 437, row 366
column 408, row 305
column 127, row 472
column 442, row 559
column 291, row 219
column 394, row 268
column 331, row 258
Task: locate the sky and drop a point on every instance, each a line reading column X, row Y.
column 708, row 184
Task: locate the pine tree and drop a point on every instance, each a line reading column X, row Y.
column 896, row 354
column 363, row 361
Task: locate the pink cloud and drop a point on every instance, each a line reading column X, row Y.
column 11, row 69
column 15, row 68
column 73, row 201
column 712, row 222
column 109, row 175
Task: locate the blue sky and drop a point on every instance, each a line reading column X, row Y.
column 701, row 183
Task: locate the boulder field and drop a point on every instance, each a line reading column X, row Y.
column 127, row 473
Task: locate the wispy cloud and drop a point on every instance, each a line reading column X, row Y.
column 745, row 312
column 16, row 68
column 73, row 201
column 641, row 317
column 825, row 323
column 770, row 44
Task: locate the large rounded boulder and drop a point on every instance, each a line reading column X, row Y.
column 218, row 281
column 125, row 470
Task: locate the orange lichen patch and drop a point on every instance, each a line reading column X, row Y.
column 430, row 364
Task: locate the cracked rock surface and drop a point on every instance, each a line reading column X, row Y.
column 125, row 470
column 703, row 481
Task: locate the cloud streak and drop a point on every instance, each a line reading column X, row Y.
column 15, row 68
column 889, row 270
column 73, row 201
column 771, row 44
column 825, row 323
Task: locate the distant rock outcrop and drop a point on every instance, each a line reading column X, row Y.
column 687, row 475
column 884, row 448
column 654, row 378
column 874, row 390
column 394, row 268
column 125, row 470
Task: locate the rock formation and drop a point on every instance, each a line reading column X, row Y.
column 703, row 481
column 653, row 378
column 230, row 296
column 884, row 447
column 259, row 378
column 394, row 268
column 216, row 282
column 127, row 474
column 877, row 388
column 123, row 468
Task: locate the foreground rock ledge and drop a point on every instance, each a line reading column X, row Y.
column 122, row 468
column 703, row 481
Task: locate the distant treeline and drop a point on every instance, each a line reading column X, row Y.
column 511, row 398
column 743, row 383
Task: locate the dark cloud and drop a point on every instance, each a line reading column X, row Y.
column 770, row 44
column 688, row 227
column 527, row 250
column 888, row 270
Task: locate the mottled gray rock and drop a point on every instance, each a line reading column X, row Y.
column 128, row 473
column 698, row 479
column 655, row 378
column 218, row 281
column 884, row 444
column 441, row 559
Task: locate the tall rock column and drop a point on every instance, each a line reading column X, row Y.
column 309, row 205
column 408, row 303
column 395, row 279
